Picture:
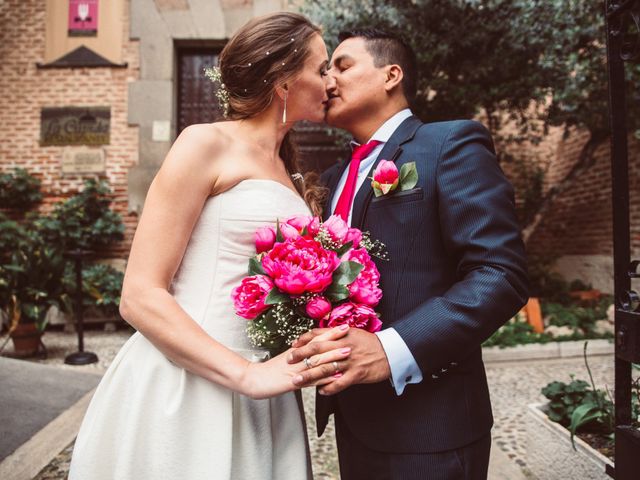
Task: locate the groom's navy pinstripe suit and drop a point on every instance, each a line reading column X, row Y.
column 456, row 274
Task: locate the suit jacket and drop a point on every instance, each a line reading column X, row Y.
column 456, row 273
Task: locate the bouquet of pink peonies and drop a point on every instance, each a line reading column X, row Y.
column 307, row 273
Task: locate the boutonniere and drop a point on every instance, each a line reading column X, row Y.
column 386, row 177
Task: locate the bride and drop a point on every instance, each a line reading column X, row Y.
column 187, row 397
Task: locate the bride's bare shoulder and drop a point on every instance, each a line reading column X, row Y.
column 205, row 137
column 199, row 146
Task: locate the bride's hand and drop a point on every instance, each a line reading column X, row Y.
column 275, row 376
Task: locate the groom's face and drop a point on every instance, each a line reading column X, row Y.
column 355, row 86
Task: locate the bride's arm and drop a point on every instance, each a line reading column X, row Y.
column 172, row 207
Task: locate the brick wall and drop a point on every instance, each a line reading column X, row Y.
column 579, row 221
column 25, row 89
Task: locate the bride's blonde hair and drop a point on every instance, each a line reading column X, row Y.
column 266, row 52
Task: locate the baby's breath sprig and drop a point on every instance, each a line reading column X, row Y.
column 375, row 248
column 303, row 299
column 277, row 328
column 222, row 94
column 325, row 239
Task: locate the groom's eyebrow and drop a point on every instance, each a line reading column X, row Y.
column 337, row 61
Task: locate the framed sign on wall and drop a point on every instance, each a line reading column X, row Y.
column 83, row 18
column 75, row 126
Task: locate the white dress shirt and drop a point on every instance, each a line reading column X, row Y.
column 404, row 368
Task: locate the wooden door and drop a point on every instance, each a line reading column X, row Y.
column 197, row 102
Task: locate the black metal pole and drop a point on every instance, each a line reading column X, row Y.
column 627, row 322
column 80, row 357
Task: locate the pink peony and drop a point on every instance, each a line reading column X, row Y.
column 354, row 315
column 299, row 221
column 337, row 228
column 385, row 176
column 314, row 227
column 318, row 308
column 300, row 265
column 249, row 296
column 353, row 235
column 365, row 288
column 289, row 231
column 265, row 238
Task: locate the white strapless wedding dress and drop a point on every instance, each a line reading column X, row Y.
column 152, row 420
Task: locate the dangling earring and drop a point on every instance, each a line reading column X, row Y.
column 284, row 112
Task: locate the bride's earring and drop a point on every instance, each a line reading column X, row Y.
column 284, row 112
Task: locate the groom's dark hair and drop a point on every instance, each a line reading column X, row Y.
column 387, row 49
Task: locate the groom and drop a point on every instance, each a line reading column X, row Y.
column 412, row 401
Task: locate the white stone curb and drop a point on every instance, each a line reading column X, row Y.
column 547, row 351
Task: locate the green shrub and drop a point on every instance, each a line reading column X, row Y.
column 30, row 274
column 582, row 317
column 19, row 190
column 101, row 287
column 516, row 332
column 83, row 221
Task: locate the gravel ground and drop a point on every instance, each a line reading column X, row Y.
column 513, row 385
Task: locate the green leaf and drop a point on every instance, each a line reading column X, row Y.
column 255, row 267
column 347, row 273
column 276, row 296
column 582, row 415
column 344, row 249
column 408, row 176
column 336, row 292
column 279, row 236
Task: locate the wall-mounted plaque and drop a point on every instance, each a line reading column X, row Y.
column 83, row 160
column 75, row 126
column 83, row 18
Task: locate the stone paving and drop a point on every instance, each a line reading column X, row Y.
column 513, row 385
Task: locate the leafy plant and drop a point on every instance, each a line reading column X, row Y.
column 30, row 274
column 580, row 406
column 516, row 332
column 101, row 287
column 83, row 221
column 19, row 190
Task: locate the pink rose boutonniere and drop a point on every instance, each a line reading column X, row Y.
column 386, row 177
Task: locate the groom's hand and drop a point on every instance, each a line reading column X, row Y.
column 367, row 363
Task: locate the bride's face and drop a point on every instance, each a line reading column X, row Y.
column 307, row 93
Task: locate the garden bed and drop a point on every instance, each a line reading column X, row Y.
column 550, row 454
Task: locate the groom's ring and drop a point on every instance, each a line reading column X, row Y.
column 336, row 367
column 308, row 363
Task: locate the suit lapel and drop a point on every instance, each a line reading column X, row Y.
column 391, row 151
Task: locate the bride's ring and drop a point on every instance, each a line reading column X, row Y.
column 336, row 367
column 308, row 363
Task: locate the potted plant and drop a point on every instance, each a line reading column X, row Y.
column 30, row 282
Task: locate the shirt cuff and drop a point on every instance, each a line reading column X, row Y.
column 404, row 368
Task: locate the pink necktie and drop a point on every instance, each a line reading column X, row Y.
column 343, row 207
